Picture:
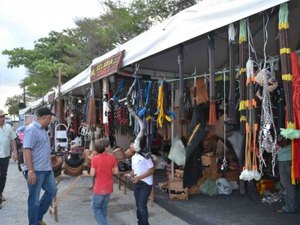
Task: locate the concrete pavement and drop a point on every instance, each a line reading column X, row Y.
column 75, row 208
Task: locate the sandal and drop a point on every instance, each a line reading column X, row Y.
column 283, row 211
column 280, row 210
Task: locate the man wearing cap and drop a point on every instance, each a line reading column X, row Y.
column 37, row 167
column 7, row 143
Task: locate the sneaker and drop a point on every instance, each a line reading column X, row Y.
column 41, row 222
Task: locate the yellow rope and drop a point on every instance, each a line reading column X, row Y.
column 160, row 105
column 243, row 105
column 285, row 51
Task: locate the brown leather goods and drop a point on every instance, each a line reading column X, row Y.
column 119, row 154
column 73, row 171
column 201, row 91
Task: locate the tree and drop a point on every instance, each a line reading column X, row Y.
column 13, row 104
column 50, row 53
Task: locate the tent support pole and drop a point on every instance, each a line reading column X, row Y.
column 172, row 127
column 181, row 87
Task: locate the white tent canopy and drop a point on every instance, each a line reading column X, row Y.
column 157, row 48
column 80, row 80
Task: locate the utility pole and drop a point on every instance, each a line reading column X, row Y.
column 24, row 96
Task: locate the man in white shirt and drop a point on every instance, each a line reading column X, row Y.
column 7, row 143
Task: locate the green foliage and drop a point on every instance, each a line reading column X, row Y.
column 13, row 104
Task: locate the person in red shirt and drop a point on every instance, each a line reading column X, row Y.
column 103, row 166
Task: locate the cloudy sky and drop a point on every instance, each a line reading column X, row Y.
column 24, row 21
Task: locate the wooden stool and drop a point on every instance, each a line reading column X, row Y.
column 151, row 197
column 122, row 180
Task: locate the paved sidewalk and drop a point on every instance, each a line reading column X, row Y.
column 75, row 208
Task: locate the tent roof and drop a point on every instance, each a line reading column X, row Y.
column 80, row 80
column 157, row 48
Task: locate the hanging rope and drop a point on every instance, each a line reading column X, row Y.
column 242, row 61
column 231, row 119
column 224, row 162
column 137, row 118
column 285, row 61
column 160, row 106
column 286, row 72
column 250, row 169
column 212, row 81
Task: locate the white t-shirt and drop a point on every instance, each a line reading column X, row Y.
column 141, row 165
column 7, row 134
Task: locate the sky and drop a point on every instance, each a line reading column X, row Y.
column 22, row 22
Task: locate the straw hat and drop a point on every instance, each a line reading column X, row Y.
column 2, row 113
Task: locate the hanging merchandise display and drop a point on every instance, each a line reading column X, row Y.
column 197, row 129
column 242, row 62
column 120, row 109
column 212, row 82
column 105, row 89
column 246, row 174
column 224, row 162
column 286, row 71
column 91, row 118
column 111, row 119
column 285, row 60
column 250, row 170
column 296, row 106
column 137, row 118
column 161, row 105
column 267, row 133
column 231, row 118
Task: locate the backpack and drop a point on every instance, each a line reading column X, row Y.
column 18, row 143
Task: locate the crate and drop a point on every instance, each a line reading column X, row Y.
column 176, row 190
column 176, row 185
column 182, row 196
